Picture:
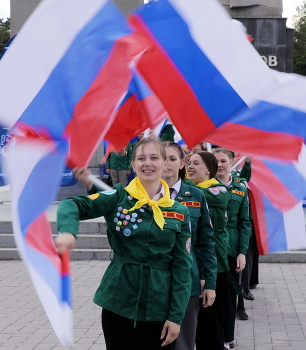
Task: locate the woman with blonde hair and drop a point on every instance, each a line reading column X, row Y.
column 146, row 288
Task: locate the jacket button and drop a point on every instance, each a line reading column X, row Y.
column 149, row 220
column 144, row 241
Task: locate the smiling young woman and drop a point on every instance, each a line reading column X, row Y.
column 204, row 267
column 239, row 229
column 202, row 168
column 146, row 288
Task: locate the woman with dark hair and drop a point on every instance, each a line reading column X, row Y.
column 204, row 266
column 199, row 147
column 239, row 229
column 146, row 288
column 202, row 169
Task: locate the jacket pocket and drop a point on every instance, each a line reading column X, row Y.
column 168, row 235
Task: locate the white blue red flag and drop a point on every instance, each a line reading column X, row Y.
column 140, row 109
column 35, row 166
column 74, row 77
column 276, row 230
column 194, row 70
column 207, row 73
column 218, row 89
column 63, row 90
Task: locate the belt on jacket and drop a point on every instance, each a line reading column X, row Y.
column 157, row 265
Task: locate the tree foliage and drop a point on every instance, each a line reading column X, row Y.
column 4, row 32
column 299, row 21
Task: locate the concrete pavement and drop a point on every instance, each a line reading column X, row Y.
column 277, row 316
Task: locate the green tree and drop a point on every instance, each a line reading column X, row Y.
column 4, row 32
column 299, row 22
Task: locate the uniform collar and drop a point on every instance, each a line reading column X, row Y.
column 184, row 191
column 229, row 184
column 160, row 194
column 176, row 187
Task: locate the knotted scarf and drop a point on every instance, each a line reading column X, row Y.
column 208, row 183
column 136, row 190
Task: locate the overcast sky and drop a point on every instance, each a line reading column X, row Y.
column 289, row 9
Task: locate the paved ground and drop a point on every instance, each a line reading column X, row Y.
column 277, row 315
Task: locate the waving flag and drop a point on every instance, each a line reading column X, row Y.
column 276, row 230
column 193, row 68
column 140, row 109
column 200, row 78
column 67, row 86
column 275, row 127
column 35, row 166
column 79, row 72
column 277, row 190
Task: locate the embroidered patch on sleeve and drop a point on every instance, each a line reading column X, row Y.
column 188, row 245
column 110, row 192
column 214, row 190
column 94, row 196
column 222, row 189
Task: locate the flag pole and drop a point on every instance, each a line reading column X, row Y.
column 99, row 183
column 238, row 163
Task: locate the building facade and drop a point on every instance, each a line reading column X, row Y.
column 263, row 21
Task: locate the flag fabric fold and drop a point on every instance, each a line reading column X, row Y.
column 195, row 78
column 140, row 109
column 277, row 189
column 231, row 95
column 35, row 166
column 64, row 90
column 276, row 230
column 81, row 73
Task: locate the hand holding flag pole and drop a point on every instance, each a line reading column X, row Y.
column 238, row 163
column 99, row 183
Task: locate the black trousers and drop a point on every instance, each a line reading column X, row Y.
column 230, row 304
column 120, row 334
column 210, row 330
column 186, row 338
column 254, row 278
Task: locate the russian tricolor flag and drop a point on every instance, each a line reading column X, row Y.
column 75, row 76
column 60, row 96
column 35, row 166
column 202, row 67
column 140, row 109
column 206, row 73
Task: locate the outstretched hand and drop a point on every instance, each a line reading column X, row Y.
column 81, row 174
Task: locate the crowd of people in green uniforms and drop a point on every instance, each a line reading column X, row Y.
column 179, row 232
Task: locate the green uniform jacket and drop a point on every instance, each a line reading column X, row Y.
column 245, row 172
column 238, row 225
column 133, row 145
column 167, row 133
column 120, row 161
column 217, row 197
column 201, row 237
column 149, row 276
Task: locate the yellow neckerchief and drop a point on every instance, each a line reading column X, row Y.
column 208, row 183
column 136, row 190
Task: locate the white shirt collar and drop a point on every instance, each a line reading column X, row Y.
column 230, row 181
column 160, row 194
column 176, row 187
